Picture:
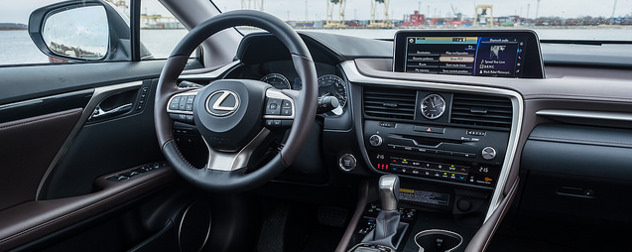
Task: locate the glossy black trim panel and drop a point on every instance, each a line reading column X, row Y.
column 44, row 105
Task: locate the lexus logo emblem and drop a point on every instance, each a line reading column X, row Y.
column 222, row 103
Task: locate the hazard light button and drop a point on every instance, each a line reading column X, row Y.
column 426, row 129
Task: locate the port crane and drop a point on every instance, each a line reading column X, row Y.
column 386, row 21
column 331, row 6
column 481, row 15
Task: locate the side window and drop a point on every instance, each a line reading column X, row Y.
column 160, row 31
column 77, row 33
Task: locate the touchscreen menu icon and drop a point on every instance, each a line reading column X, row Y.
column 441, row 55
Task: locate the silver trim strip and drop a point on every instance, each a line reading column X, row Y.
column 181, row 225
column 355, row 77
column 221, row 161
column 597, row 115
column 98, row 95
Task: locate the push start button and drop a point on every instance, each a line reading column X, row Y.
column 347, row 162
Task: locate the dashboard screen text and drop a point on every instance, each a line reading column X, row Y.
column 466, row 55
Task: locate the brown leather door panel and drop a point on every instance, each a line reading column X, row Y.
column 35, row 219
column 27, row 148
column 53, row 166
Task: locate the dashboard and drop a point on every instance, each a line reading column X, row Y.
column 452, row 138
column 459, row 142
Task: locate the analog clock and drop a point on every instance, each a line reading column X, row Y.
column 433, row 106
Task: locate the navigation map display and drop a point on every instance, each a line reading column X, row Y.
column 468, row 53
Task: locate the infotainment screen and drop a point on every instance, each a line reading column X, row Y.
column 480, row 53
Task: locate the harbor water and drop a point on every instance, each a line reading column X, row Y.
column 17, row 48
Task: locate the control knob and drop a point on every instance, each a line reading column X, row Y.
column 488, row 153
column 375, row 140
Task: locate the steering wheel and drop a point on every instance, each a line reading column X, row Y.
column 234, row 116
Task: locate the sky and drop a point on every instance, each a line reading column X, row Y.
column 360, row 9
column 17, row 11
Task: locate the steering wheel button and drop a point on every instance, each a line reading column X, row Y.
column 287, row 104
column 190, row 99
column 286, row 111
column 277, row 123
column 182, row 104
column 272, row 106
column 189, row 107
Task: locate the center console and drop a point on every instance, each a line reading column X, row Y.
column 448, row 147
column 452, row 144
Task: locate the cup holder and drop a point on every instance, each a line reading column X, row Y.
column 437, row 240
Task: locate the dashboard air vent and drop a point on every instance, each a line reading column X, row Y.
column 481, row 110
column 390, row 103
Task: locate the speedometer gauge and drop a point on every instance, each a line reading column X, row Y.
column 277, row 80
column 334, row 86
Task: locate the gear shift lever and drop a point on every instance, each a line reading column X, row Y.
column 389, row 192
column 388, row 229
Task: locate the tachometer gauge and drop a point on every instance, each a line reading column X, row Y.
column 334, row 86
column 433, row 106
column 277, row 80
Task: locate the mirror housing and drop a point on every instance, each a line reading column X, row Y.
column 104, row 36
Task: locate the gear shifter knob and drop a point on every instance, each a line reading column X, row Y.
column 389, row 191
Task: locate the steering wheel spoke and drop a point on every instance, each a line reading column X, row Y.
column 180, row 106
column 233, row 161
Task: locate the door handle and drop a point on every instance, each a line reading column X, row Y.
column 100, row 113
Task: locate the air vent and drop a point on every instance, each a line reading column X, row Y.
column 481, row 110
column 390, row 103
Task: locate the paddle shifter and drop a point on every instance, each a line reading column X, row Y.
column 388, row 229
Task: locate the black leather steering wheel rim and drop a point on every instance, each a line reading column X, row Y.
column 305, row 103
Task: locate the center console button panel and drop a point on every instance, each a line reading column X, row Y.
column 462, row 155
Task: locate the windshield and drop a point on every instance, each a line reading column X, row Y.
column 608, row 20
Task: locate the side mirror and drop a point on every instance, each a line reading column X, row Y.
column 87, row 30
column 80, row 32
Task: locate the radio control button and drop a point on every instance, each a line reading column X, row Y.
column 447, row 153
column 375, row 140
column 488, row 153
column 387, row 124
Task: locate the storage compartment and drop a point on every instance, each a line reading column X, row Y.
column 578, row 171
